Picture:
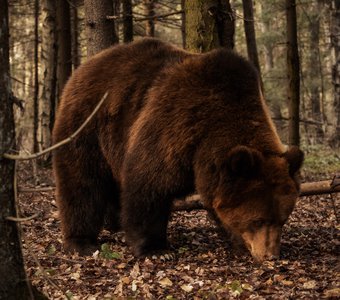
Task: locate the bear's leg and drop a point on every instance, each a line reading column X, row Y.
column 82, row 203
column 112, row 212
column 145, row 219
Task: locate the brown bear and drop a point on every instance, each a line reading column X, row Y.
column 173, row 123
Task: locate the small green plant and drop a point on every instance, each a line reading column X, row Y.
column 107, row 253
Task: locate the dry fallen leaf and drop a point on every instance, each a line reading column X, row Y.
column 165, row 282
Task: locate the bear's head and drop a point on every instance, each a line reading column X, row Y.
column 256, row 194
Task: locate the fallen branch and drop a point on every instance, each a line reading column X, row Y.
column 17, row 219
column 307, row 189
column 61, row 143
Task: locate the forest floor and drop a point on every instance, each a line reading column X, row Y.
column 200, row 265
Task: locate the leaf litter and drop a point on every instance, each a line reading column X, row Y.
column 200, row 264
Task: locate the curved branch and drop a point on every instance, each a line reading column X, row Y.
column 61, row 143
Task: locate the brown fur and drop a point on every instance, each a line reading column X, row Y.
column 173, row 123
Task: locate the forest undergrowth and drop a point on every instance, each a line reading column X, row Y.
column 201, row 263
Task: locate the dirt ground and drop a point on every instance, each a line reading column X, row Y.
column 200, row 265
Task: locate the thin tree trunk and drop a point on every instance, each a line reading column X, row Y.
column 127, row 21
column 335, row 41
column 209, row 25
column 249, row 29
column 149, row 11
column 100, row 31
column 183, row 29
column 48, row 65
column 315, row 80
column 293, row 69
column 13, row 284
column 36, row 79
column 64, row 43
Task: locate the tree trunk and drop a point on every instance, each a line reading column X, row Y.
column 183, row 29
column 149, row 11
column 48, row 65
column 36, row 78
column 293, row 69
column 127, row 21
column 75, row 35
column 13, row 284
column 100, row 31
column 249, row 29
column 209, row 25
column 335, row 41
column 315, row 81
column 64, row 43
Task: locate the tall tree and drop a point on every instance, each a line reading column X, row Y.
column 149, row 11
column 127, row 21
column 64, row 69
column 249, row 29
column 36, row 78
column 49, row 69
column 293, row 71
column 335, row 41
column 209, row 24
column 100, row 31
column 75, row 36
column 13, row 284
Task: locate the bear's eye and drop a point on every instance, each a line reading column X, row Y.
column 258, row 223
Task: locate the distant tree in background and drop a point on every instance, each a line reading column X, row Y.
column 149, row 11
column 209, row 25
column 249, row 29
column 335, row 42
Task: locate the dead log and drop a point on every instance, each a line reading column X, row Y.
column 307, row 189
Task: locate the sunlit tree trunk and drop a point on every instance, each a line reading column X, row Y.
column 127, row 21
column 209, row 25
column 13, row 284
column 100, row 31
column 293, row 69
column 48, row 66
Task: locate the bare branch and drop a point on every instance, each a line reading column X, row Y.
column 16, row 219
column 61, row 143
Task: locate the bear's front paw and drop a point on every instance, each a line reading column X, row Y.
column 82, row 246
column 147, row 247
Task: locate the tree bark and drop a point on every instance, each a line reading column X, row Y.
column 64, row 43
column 209, row 25
column 13, row 284
column 127, row 21
column 293, row 71
column 249, row 29
column 100, row 31
column 36, row 78
column 75, row 35
column 149, row 11
column 48, row 65
column 335, row 42
column 315, row 78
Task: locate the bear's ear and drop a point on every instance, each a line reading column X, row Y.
column 294, row 157
column 244, row 161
